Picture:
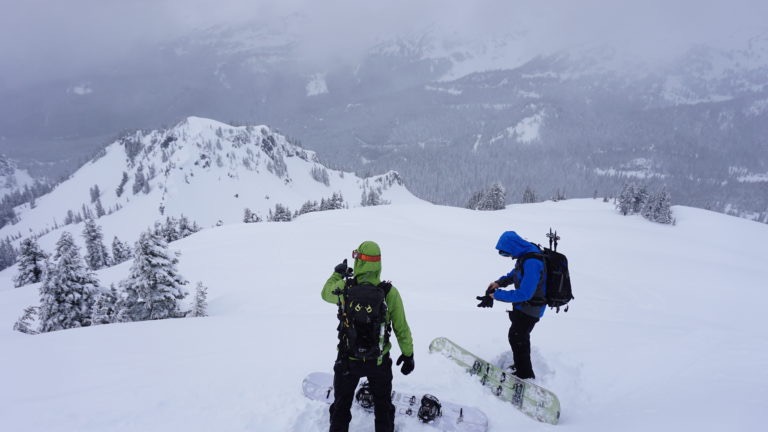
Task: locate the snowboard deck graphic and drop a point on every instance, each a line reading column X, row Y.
column 533, row 400
column 453, row 417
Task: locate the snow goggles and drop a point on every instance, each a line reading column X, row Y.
column 505, row 254
column 363, row 257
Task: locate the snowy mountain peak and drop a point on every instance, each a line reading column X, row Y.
column 208, row 171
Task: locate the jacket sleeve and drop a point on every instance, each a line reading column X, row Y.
column 531, row 276
column 399, row 323
column 333, row 282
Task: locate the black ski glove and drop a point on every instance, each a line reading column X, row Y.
column 407, row 362
column 342, row 269
column 486, row 301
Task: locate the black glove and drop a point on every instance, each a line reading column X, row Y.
column 407, row 362
column 486, row 301
column 342, row 269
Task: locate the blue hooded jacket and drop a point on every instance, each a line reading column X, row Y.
column 531, row 282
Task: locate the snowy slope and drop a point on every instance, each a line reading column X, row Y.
column 12, row 178
column 201, row 168
column 666, row 333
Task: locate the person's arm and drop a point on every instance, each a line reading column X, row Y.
column 533, row 269
column 399, row 323
column 334, row 282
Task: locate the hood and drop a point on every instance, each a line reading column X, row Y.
column 514, row 245
column 367, row 271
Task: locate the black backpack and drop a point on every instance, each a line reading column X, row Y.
column 363, row 329
column 558, row 292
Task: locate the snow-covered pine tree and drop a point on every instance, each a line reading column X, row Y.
column 121, row 187
column 25, row 323
column 474, row 201
column 640, row 198
column 281, row 214
column 169, row 230
column 495, row 199
column 187, row 228
column 200, row 301
column 320, row 174
column 105, row 307
column 529, row 196
column 335, row 202
column 67, row 292
column 250, row 217
column 626, row 199
column 99, row 208
column 32, row 262
column 658, row 207
column 121, row 251
column 308, row 207
column 7, row 254
column 154, row 286
column 96, row 255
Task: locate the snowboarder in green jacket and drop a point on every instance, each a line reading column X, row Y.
column 349, row 367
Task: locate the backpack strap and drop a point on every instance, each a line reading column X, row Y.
column 534, row 301
column 385, row 286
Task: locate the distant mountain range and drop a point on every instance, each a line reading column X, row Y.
column 204, row 170
column 450, row 114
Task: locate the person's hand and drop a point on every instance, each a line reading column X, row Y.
column 486, row 301
column 343, row 269
column 493, row 286
column 408, row 364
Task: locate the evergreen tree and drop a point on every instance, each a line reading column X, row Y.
column 139, row 181
column 308, row 207
column 32, row 261
column 67, row 292
column 474, row 201
column 626, row 199
column 170, row 230
column 95, row 193
column 200, row 303
column 121, row 187
column 121, row 251
column 281, row 214
column 495, row 199
column 640, row 198
column 336, row 202
column 96, row 256
column 154, row 286
column 250, row 217
column 529, row 196
column 658, row 208
column 105, row 307
column 186, row 228
column 7, row 254
column 25, row 323
column 99, row 208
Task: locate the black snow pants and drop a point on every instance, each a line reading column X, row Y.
column 520, row 341
column 345, row 378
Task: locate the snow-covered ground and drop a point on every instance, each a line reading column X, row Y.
column 667, row 331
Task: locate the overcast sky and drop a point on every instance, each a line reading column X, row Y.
column 47, row 38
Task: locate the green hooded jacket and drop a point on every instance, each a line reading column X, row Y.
column 370, row 272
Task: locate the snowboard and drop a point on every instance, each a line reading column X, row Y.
column 533, row 400
column 445, row 416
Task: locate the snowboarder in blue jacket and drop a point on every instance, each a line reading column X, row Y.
column 529, row 280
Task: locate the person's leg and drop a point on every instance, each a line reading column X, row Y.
column 380, row 378
column 520, row 341
column 344, row 385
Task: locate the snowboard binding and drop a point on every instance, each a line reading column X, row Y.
column 364, row 396
column 430, row 408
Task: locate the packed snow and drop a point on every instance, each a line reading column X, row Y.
column 666, row 331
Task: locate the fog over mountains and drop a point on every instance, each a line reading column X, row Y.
column 451, row 110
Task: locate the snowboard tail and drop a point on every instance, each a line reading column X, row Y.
column 533, row 400
column 443, row 415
